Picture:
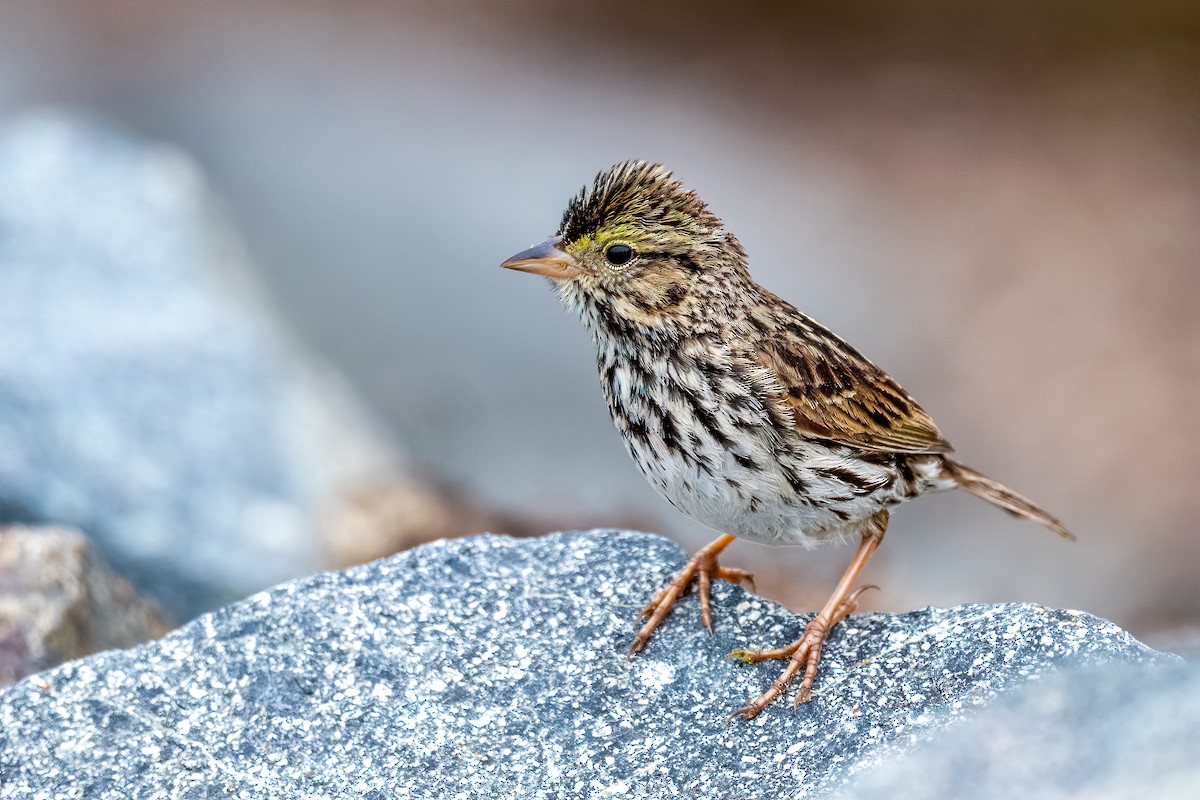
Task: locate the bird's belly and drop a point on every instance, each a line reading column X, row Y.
column 707, row 443
column 759, row 504
column 779, row 499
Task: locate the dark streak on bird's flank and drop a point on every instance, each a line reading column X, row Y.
column 745, row 461
column 849, row 477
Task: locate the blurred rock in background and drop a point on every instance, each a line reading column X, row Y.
column 390, row 513
column 147, row 394
column 59, row 602
column 995, row 201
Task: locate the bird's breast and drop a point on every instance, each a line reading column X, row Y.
column 702, row 432
column 697, row 430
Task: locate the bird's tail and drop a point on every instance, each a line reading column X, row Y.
column 981, row 485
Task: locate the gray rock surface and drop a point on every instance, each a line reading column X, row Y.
column 493, row 667
column 1100, row 733
column 147, row 395
column 58, row 601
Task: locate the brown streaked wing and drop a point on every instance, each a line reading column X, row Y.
column 833, row 392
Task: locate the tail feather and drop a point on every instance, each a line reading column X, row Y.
column 981, row 485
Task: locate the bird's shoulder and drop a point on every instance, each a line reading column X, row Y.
column 831, row 391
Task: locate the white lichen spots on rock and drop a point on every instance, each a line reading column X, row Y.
column 656, row 674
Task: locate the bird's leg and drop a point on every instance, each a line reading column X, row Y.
column 702, row 568
column 805, row 652
column 848, row 607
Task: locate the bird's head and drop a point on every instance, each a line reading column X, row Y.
column 638, row 246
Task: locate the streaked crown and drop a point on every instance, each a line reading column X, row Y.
column 636, row 193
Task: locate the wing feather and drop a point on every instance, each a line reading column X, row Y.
column 832, row 391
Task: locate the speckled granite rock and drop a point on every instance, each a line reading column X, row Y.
column 493, row 667
column 59, row 601
column 1098, row 733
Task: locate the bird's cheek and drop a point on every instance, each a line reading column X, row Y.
column 658, row 295
column 637, row 307
column 672, row 297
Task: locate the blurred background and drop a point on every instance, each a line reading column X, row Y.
column 999, row 203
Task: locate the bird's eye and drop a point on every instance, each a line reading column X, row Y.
column 618, row 254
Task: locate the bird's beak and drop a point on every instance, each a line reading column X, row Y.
column 546, row 259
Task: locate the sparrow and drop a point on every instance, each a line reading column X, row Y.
column 745, row 414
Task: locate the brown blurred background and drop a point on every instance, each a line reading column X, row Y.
column 997, row 202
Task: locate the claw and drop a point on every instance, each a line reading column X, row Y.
column 805, row 652
column 746, row 712
column 704, row 587
column 653, row 604
column 744, row 656
column 851, row 602
column 865, row 587
column 755, row 656
column 702, row 568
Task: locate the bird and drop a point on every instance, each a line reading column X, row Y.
column 745, row 414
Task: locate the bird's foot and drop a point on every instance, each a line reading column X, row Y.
column 804, row 653
column 702, row 569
